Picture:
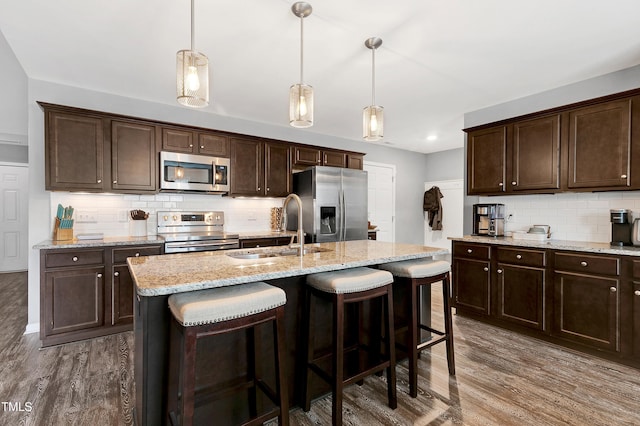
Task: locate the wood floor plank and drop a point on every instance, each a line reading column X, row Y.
column 502, row 378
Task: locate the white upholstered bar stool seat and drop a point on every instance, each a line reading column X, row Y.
column 349, row 286
column 204, row 314
column 409, row 276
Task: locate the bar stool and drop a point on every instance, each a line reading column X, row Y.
column 207, row 313
column 348, row 286
column 409, row 276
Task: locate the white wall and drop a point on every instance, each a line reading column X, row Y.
column 13, row 102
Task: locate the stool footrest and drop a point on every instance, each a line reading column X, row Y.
column 356, row 358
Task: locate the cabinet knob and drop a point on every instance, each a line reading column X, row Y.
column 190, row 145
column 259, row 188
column 499, row 271
column 514, row 183
column 623, row 176
column 201, row 146
column 115, row 181
column 74, row 258
column 637, row 292
column 99, row 180
column 501, row 184
column 268, row 189
column 257, row 245
column 583, row 263
column 613, row 289
column 116, row 274
column 137, row 254
column 518, row 256
column 486, row 269
column 469, row 251
column 99, row 275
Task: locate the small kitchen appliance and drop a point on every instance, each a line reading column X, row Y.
column 197, row 173
column 488, row 219
column 621, row 227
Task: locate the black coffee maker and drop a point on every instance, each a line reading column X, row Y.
column 621, row 225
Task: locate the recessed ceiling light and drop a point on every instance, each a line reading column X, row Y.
column 432, row 138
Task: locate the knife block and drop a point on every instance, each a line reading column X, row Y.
column 62, row 234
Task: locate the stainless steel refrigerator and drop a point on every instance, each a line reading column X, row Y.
column 334, row 204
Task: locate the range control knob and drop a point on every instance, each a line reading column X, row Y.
column 175, row 217
column 165, row 218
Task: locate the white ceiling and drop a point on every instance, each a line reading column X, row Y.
column 439, row 59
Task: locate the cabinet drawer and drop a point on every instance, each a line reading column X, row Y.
column 74, row 258
column 521, row 257
column 120, row 255
column 589, row 264
column 471, row 251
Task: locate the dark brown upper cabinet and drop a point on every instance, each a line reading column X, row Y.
column 133, row 156
column 74, row 151
column 588, row 146
column 600, row 145
column 305, row 156
column 185, row 140
column 535, row 154
column 260, row 168
column 486, row 160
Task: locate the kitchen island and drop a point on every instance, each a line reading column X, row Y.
column 157, row 277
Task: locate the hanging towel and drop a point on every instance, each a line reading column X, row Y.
column 433, row 207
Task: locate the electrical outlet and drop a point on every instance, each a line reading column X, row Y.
column 86, row 216
column 511, row 217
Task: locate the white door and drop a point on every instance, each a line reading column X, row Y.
column 13, row 218
column 381, row 204
column 452, row 214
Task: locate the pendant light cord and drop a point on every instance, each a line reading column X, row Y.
column 192, row 28
column 301, row 49
column 373, row 76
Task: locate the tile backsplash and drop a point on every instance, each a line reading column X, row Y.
column 109, row 213
column 572, row 216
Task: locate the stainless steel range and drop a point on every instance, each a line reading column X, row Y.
column 194, row 231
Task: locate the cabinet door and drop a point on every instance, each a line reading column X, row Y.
column 133, row 156
column 471, row 285
column 73, row 300
column 277, row 167
column 486, row 156
column 521, row 295
column 247, row 163
column 636, row 320
column 74, row 150
column 121, row 296
column 600, row 145
column 586, row 309
column 334, row 159
column 178, row 140
column 355, row 161
column 216, row 145
column 536, row 154
column 303, row 156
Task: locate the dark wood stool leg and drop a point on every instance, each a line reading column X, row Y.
column 412, row 339
column 338, row 358
column 252, row 370
column 187, row 387
column 281, row 376
column 308, row 348
column 448, row 325
column 391, row 349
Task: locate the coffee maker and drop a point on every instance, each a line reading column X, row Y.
column 488, row 219
column 621, row 225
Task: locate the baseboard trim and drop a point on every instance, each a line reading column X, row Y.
column 32, row 328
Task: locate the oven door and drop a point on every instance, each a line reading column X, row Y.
column 201, row 245
column 188, row 172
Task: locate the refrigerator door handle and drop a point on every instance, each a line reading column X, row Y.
column 343, row 212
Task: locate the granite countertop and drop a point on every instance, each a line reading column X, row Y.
column 584, row 246
column 176, row 273
column 106, row 241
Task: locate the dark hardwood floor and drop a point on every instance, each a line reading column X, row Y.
column 502, row 378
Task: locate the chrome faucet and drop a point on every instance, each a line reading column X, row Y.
column 300, row 231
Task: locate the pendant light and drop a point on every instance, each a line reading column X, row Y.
column 301, row 95
column 373, row 115
column 192, row 70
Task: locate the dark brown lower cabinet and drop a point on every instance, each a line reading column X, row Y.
column 472, row 285
column 521, row 295
column 80, row 299
column 264, row 242
column 74, row 300
column 636, row 320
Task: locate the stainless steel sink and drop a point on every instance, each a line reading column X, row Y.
column 277, row 252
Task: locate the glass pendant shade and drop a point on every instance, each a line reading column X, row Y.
column 192, row 71
column 301, row 106
column 373, row 123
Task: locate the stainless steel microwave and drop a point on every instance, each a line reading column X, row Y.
column 189, row 172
